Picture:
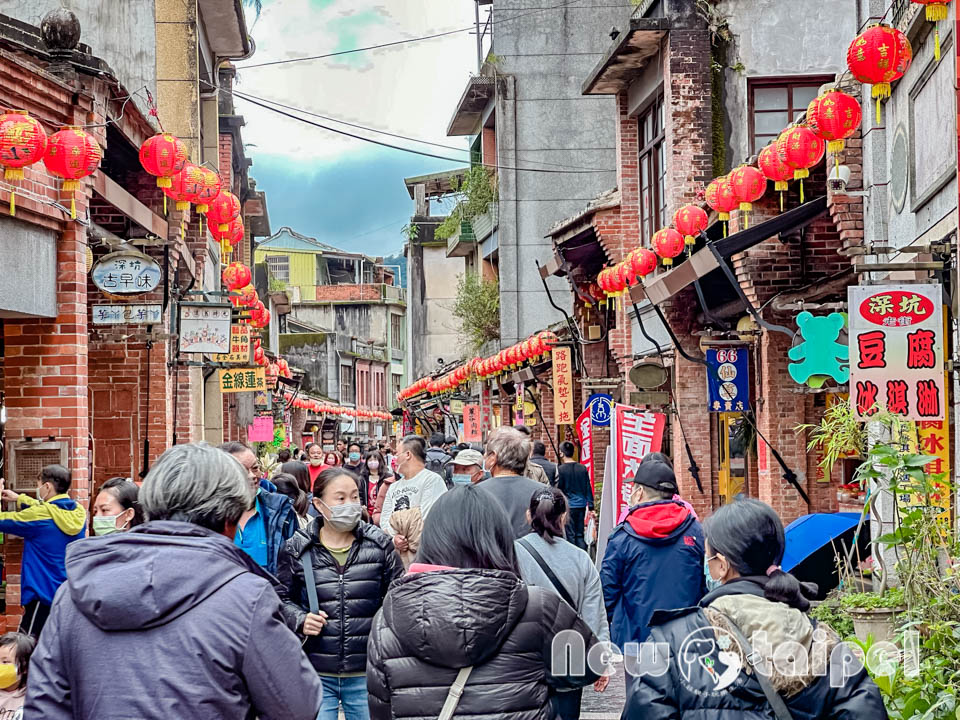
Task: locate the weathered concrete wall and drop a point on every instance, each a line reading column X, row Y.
column 315, row 354
column 120, row 32
column 28, row 271
column 773, row 38
column 543, row 118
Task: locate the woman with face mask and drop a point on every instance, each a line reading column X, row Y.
column 116, row 508
column 15, row 651
column 352, row 564
column 374, row 475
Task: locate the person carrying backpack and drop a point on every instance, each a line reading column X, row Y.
column 437, row 457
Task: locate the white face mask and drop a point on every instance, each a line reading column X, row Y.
column 374, row 465
column 316, row 462
column 344, row 517
column 107, row 524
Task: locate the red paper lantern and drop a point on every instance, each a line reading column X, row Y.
column 258, row 355
column 748, row 185
column 720, row 196
column 617, row 284
column 834, row 116
column 690, row 221
column 223, row 208
column 548, row 339
column 878, row 56
column 208, row 190
column 236, row 275
column 184, row 186
column 72, row 154
column 643, row 261
column 22, row 143
column 800, row 149
column 775, row 169
column 668, row 244
column 246, row 298
column 625, row 273
column 233, row 235
column 163, row 155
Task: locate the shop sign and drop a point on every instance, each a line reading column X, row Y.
column 585, row 435
column 563, row 386
column 261, row 430
column 242, row 380
column 456, row 407
column 728, row 379
column 600, row 406
column 518, row 405
column 127, row 314
column 472, row 426
column 633, row 435
column 896, row 351
column 934, row 440
column 126, row 272
column 821, row 355
column 239, row 346
column 204, row 328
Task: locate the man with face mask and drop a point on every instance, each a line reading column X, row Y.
column 269, row 522
column 315, row 461
column 47, row 524
column 417, row 488
column 468, row 468
column 354, row 459
column 352, row 565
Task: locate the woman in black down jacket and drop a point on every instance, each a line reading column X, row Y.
column 463, row 605
column 353, row 565
column 705, row 677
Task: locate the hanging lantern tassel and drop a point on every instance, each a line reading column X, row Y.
column 71, row 186
column 880, row 91
column 745, row 209
column 13, row 203
column 781, row 186
column 935, row 13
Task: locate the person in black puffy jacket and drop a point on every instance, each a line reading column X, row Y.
column 463, row 605
column 708, row 675
column 353, row 565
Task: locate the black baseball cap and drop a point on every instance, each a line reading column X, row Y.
column 657, row 475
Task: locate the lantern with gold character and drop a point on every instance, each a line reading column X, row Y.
column 72, row 154
column 878, row 56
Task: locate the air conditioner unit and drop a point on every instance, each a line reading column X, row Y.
column 28, row 458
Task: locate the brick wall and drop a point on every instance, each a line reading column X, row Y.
column 346, row 293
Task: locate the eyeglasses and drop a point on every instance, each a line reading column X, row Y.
column 713, row 557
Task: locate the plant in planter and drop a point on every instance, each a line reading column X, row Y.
column 475, row 194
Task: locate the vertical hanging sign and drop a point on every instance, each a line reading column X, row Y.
column 472, row 427
column 585, row 434
column 563, row 386
column 896, row 351
column 633, row 434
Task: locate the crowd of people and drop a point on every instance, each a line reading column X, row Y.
column 428, row 579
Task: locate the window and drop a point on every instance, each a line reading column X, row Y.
column 279, row 267
column 379, row 387
column 346, row 384
column 774, row 104
column 653, row 170
column 396, row 331
column 396, row 386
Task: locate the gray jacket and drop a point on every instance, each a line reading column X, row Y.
column 514, row 493
column 574, row 568
column 169, row 620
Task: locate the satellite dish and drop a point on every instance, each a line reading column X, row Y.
column 648, row 375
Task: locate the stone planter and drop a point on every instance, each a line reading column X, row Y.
column 878, row 622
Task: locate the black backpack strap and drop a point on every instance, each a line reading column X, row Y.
column 554, row 580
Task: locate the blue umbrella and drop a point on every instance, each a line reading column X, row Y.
column 813, row 542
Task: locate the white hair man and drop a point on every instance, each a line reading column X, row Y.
column 506, row 456
column 191, row 624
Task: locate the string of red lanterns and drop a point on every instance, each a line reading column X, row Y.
column 306, row 403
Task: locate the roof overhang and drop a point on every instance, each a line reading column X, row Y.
column 226, row 27
column 436, row 184
column 568, row 227
column 466, row 118
column 704, row 261
column 627, row 56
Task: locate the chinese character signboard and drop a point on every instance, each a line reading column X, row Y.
column 896, row 351
column 600, row 406
column 204, row 328
column 563, row 386
column 633, row 434
column 456, row 407
column 728, row 379
column 127, row 314
column 239, row 346
column 242, row 380
column 126, row 272
column 261, row 430
column 518, row 405
column 472, row 428
column 585, row 434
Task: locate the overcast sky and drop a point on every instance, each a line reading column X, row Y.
column 347, row 192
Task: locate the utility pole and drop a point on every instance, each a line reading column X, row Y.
column 476, row 14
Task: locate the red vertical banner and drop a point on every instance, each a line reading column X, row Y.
column 633, row 434
column 585, row 434
column 472, row 428
column 563, row 386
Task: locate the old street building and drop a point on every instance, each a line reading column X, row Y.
column 105, row 399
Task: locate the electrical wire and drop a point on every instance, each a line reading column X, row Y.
column 374, row 141
column 244, row 95
column 406, row 41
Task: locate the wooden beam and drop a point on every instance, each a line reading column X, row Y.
column 129, row 205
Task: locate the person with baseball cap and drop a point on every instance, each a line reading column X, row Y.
column 468, row 468
column 654, row 558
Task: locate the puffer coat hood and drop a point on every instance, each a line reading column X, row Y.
column 350, row 595
column 434, row 623
column 708, row 676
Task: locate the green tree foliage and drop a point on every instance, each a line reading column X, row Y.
column 478, row 309
column 476, row 193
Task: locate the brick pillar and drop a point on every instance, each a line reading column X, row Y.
column 46, row 383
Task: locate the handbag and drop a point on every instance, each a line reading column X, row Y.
column 554, row 580
column 776, row 702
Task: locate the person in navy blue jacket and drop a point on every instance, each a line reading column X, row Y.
column 654, row 558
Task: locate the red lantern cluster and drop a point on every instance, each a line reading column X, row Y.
column 185, row 186
column 322, row 408
column 224, row 208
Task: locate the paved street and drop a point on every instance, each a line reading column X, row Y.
column 607, row 705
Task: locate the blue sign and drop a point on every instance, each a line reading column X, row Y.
column 601, row 408
column 728, row 379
